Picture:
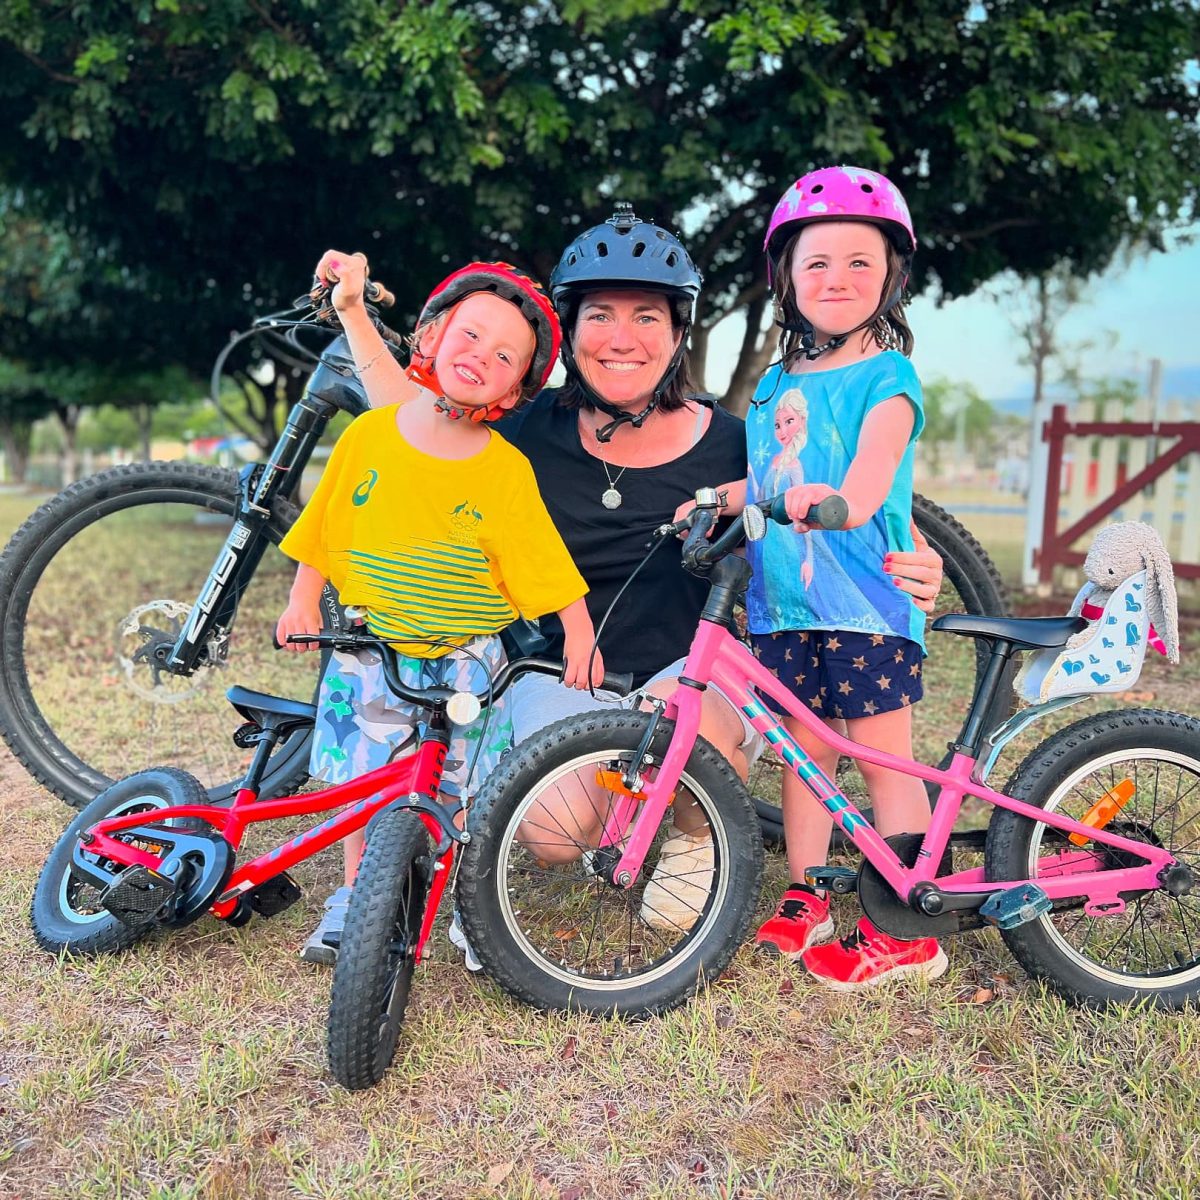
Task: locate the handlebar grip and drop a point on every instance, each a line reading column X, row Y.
column 376, row 293
column 620, row 682
column 831, row 513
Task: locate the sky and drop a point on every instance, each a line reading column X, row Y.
column 1150, row 309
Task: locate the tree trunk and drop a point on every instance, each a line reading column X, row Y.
column 698, row 355
column 68, row 418
column 15, row 436
column 757, row 349
column 145, row 417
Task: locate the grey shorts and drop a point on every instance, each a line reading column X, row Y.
column 536, row 701
column 362, row 725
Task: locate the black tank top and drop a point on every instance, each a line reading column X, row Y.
column 654, row 621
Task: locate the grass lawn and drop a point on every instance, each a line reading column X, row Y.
column 194, row 1066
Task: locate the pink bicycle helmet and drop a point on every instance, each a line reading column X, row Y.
column 839, row 193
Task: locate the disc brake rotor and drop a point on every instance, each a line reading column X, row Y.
column 143, row 640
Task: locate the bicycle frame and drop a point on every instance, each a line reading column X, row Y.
column 259, row 485
column 413, row 779
column 717, row 657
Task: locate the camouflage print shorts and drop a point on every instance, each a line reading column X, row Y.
column 362, row 725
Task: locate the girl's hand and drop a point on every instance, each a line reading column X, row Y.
column 917, row 571
column 348, row 272
column 798, row 500
column 577, row 652
column 298, row 617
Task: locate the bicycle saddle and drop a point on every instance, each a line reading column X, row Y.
column 1038, row 633
column 268, row 711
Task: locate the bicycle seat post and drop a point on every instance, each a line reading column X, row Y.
column 973, row 725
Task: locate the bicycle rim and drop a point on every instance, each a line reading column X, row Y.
column 573, row 922
column 1156, row 941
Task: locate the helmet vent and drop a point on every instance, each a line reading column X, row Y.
column 866, row 187
column 602, row 249
column 639, row 249
column 672, row 259
column 817, row 187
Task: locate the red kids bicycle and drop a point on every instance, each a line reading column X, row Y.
column 1090, row 861
column 149, row 852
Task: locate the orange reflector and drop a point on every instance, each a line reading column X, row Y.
column 1103, row 811
column 614, row 781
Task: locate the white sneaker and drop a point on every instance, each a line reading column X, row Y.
column 458, row 940
column 679, row 885
column 317, row 949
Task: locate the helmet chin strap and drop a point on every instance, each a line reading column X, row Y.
column 620, row 417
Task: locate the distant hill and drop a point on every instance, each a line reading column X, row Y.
column 1182, row 382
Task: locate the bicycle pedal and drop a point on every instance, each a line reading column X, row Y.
column 272, row 897
column 1015, row 906
column 138, row 896
column 839, row 880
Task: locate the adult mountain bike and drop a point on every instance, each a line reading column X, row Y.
column 126, row 600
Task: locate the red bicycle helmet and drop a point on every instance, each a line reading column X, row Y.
column 511, row 284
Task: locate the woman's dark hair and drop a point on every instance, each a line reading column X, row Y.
column 889, row 329
column 675, row 395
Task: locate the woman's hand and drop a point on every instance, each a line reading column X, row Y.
column 798, row 500
column 348, row 274
column 917, row 571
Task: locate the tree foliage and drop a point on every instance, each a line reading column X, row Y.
column 214, row 147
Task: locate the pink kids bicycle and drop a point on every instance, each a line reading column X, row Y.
column 1089, row 861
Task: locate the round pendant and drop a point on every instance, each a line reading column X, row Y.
column 611, row 498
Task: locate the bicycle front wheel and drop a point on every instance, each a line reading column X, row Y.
column 373, row 974
column 96, row 579
column 1151, row 951
column 536, row 891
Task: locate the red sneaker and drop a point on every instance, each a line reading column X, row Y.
column 800, row 921
column 870, row 956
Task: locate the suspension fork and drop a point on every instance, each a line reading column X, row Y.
column 258, row 486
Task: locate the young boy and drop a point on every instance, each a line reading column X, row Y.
column 434, row 525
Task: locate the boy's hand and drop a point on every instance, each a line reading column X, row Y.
column 298, row 618
column 348, row 272
column 798, row 500
column 577, row 653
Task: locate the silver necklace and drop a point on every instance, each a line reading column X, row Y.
column 611, row 497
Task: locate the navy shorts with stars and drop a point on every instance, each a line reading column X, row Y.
column 842, row 674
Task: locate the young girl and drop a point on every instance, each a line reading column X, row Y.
column 434, row 525
column 839, row 247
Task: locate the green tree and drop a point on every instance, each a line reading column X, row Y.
column 957, row 416
column 219, row 146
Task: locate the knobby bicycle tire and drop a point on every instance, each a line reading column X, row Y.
column 377, row 955
column 1150, row 952
column 63, row 670
column 973, row 585
column 562, row 935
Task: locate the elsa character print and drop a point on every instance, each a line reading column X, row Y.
column 786, row 469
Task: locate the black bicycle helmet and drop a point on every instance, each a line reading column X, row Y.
column 624, row 252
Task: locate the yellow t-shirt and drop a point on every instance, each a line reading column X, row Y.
column 432, row 547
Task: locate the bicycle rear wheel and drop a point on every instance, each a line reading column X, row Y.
column 96, row 578
column 562, row 934
column 952, row 670
column 1151, row 951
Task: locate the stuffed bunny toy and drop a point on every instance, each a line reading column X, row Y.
column 1129, row 601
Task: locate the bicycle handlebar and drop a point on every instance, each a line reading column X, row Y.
column 830, row 513
column 620, row 682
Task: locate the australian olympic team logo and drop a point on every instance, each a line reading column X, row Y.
column 362, row 493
